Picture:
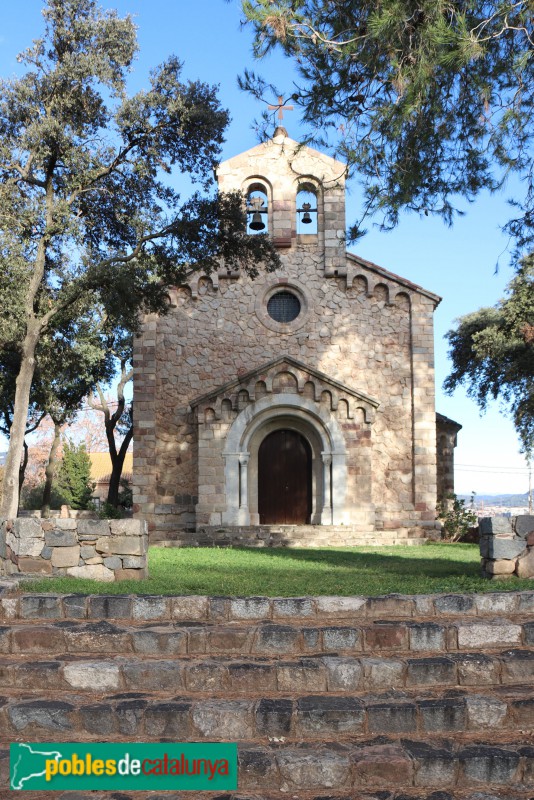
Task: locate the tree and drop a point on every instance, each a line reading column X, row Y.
column 492, row 353
column 119, row 420
column 431, row 100
column 74, row 479
column 86, row 211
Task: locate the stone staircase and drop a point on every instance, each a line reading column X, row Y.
column 357, row 535
column 329, row 698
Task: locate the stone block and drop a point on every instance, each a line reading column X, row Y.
column 250, row 608
column 171, row 719
column 121, row 545
column 523, row 712
column 134, row 562
column 382, row 673
column 500, row 566
column 486, row 765
column 325, row 769
column 35, row 606
column 273, row 717
column 305, row 675
column 97, row 676
column 127, row 527
column 257, row 769
column 523, row 524
column 145, row 675
column 87, row 551
column 426, row 636
column 247, row 676
column 386, row 636
column 33, row 639
column 491, row 547
column 277, row 639
column 525, row 564
column 130, row 714
column 474, row 635
column 228, row 720
column 95, row 528
column 67, row 524
column 475, row 669
column 99, row 718
column 449, row 604
column 189, row 608
column 113, row 562
column 27, row 546
column 44, row 674
column 528, row 628
column 485, row 712
column 28, row 528
column 207, row 676
column 324, row 716
column 382, row 765
column 96, row 637
column 293, row 607
column 393, row 605
column 443, row 715
column 75, row 606
column 492, row 525
column 435, row 671
column 518, row 667
column 151, row 607
column 392, row 718
column 341, row 638
column 109, row 606
column 353, row 607
column 49, row 715
column 35, row 565
column 343, row 674
column 130, row 574
column 154, row 641
column 434, row 766
column 65, row 556
column 95, row 572
column 60, row 538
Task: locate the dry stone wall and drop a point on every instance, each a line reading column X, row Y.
column 104, row 550
column 507, row 546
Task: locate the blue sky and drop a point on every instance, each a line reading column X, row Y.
column 458, row 263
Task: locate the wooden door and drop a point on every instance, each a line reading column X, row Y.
column 284, row 479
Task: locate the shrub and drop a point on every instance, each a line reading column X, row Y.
column 456, row 519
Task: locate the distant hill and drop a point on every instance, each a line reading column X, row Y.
column 498, row 499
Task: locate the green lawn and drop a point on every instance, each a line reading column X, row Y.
column 282, row 572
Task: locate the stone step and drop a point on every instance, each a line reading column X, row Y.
column 355, row 675
column 199, row 608
column 370, row 769
column 297, row 719
column 265, row 639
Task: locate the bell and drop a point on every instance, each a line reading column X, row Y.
column 306, row 217
column 257, row 223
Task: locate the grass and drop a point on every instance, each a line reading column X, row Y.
column 285, row 573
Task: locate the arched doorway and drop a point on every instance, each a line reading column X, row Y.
column 284, row 479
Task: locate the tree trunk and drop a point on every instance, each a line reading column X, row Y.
column 10, row 499
column 49, row 472
column 117, row 463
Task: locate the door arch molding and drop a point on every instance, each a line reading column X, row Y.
column 329, row 458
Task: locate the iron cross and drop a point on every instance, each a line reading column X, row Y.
column 281, row 107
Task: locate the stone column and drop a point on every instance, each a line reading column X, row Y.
column 326, row 515
column 243, row 516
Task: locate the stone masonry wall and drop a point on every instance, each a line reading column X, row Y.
column 507, row 546
column 105, row 550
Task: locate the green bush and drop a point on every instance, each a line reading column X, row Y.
column 456, row 519
column 74, row 477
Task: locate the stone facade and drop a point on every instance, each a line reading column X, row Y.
column 352, row 374
column 104, row 550
column 507, row 547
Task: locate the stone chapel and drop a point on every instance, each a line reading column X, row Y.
column 296, row 408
